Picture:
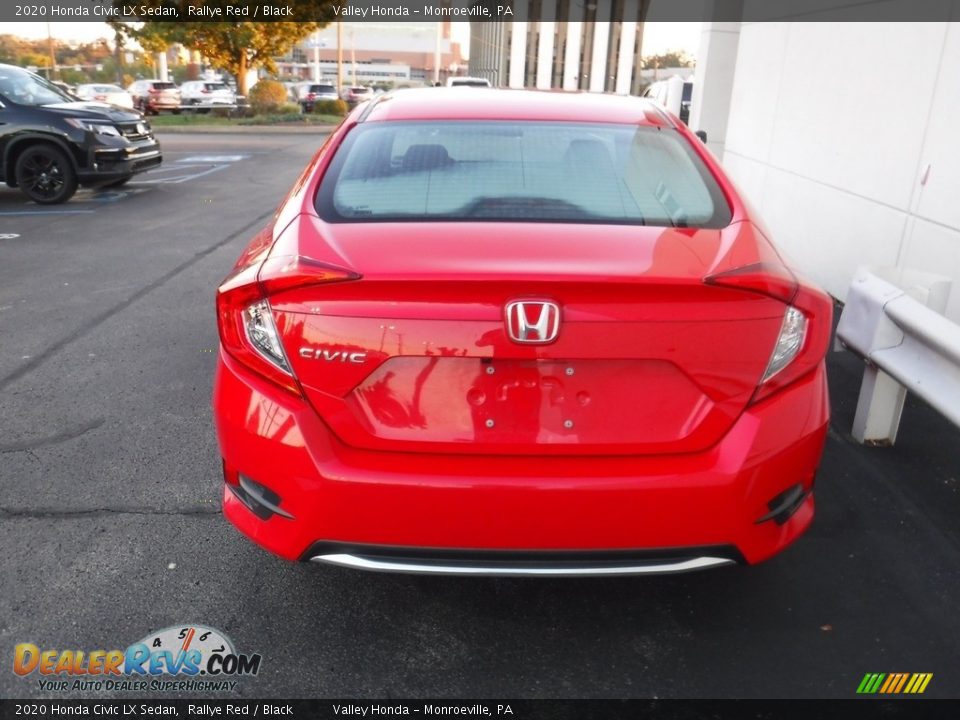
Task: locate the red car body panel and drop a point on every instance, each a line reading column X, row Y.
column 413, row 420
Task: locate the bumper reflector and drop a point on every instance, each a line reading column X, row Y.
column 784, row 505
column 260, row 500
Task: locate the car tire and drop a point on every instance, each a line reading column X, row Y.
column 45, row 174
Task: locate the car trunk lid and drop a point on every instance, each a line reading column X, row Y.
column 418, row 355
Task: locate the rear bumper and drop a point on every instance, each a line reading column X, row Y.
column 392, row 508
column 209, row 102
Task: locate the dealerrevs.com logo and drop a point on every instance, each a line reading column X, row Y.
column 178, row 658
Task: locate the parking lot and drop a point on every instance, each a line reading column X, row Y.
column 110, row 493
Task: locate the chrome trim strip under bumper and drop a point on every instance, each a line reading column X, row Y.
column 412, row 565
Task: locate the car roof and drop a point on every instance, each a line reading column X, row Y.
column 471, row 103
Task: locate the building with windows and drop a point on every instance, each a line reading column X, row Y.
column 355, row 73
column 573, row 44
column 398, row 53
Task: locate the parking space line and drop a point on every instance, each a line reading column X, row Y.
column 212, row 158
column 178, row 178
column 47, row 212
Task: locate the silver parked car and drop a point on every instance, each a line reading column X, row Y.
column 103, row 92
column 152, row 96
column 309, row 93
column 206, row 93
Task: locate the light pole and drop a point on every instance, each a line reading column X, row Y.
column 316, row 56
column 339, row 58
column 53, row 58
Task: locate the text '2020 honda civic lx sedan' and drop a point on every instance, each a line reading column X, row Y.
column 518, row 333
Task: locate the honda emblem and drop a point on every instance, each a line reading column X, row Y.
column 533, row 321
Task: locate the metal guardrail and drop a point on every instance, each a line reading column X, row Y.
column 892, row 318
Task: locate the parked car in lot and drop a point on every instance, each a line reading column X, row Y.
column 153, row 96
column 206, row 93
column 99, row 92
column 660, row 93
column 545, row 339
column 357, row 94
column 309, row 93
column 463, row 81
column 50, row 143
column 65, row 87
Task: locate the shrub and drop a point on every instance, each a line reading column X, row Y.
column 266, row 96
column 330, row 107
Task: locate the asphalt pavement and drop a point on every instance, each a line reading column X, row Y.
column 110, row 494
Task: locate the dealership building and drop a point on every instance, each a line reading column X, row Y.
column 847, row 168
column 573, row 45
column 397, row 53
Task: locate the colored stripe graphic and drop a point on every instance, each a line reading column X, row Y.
column 894, row 683
column 891, row 679
column 870, row 683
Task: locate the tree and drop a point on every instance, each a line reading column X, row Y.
column 232, row 46
column 669, row 59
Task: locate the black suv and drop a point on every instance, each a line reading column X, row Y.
column 50, row 143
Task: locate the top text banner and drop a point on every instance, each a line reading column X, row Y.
column 471, row 10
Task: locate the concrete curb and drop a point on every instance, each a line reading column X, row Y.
column 246, row 129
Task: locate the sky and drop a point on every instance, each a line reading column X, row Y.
column 658, row 37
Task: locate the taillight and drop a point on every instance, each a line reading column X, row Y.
column 793, row 331
column 804, row 331
column 205, row 91
column 153, row 91
column 101, row 98
column 248, row 328
column 311, row 96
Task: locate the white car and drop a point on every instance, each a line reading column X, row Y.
column 206, row 93
column 101, row 92
column 309, row 93
column 464, row 81
column 674, row 94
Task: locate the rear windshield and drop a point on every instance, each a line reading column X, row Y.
column 215, row 86
column 470, row 83
column 322, row 89
column 520, row 171
column 163, row 86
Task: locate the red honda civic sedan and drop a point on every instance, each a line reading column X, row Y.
column 518, row 333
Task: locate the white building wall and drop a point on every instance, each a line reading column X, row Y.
column 598, row 60
column 835, row 160
column 518, row 52
column 713, row 81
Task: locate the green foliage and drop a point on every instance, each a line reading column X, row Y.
column 232, row 46
column 267, row 96
column 330, row 107
column 669, row 59
column 73, row 77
